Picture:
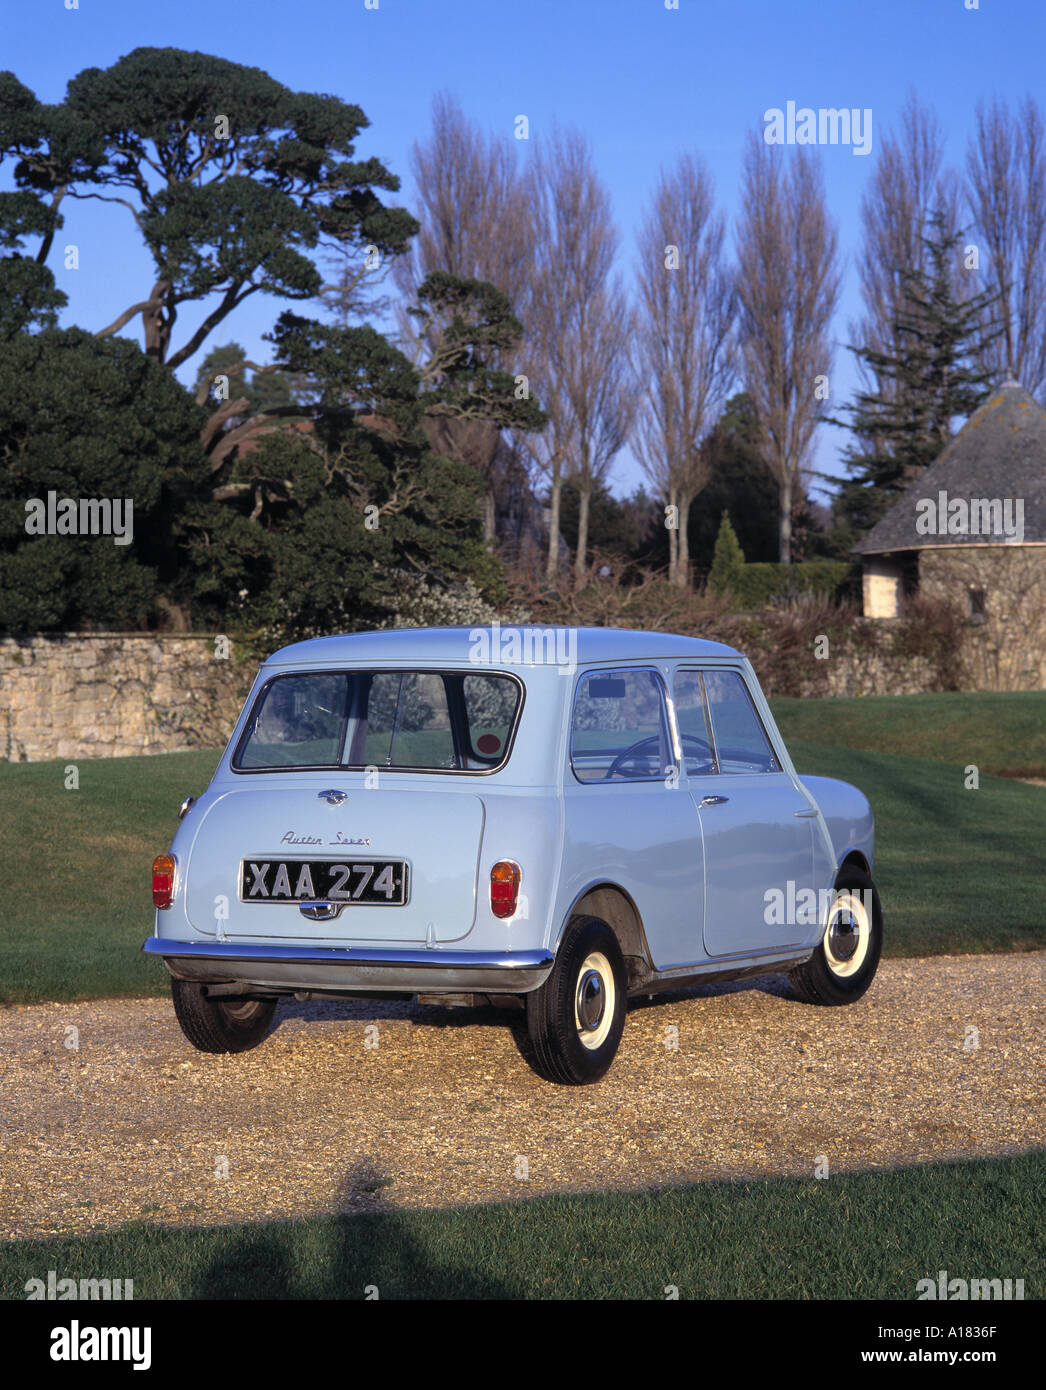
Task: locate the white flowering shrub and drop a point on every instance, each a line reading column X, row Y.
column 418, row 603
column 414, row 601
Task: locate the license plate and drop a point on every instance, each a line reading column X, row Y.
column 376, row 882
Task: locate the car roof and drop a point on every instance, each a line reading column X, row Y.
column 528, row 644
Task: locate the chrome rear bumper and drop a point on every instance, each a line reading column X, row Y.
column 334, row 968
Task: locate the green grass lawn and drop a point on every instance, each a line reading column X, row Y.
column 75, row 888
column 1002, row 733
column 958, row 870
column 860, row 1236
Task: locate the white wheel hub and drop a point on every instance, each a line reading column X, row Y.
column 595, row 1000
column 848, row 934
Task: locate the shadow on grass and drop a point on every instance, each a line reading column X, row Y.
column 368, row 1250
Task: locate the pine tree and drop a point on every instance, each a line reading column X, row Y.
column 924, row 382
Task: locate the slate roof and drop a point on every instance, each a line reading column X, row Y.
column 999, row 453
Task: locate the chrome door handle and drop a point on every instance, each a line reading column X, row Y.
column 806, row 815
column 712, row 800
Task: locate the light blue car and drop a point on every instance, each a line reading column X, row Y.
column 552, row 819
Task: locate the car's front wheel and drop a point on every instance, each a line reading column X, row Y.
column 220, row 1025
column 575, row 1020
column 847, row 956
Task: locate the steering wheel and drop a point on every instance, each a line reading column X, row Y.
column 655, row 740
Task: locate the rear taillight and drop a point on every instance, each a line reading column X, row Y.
column 504, row 888
column 163, row 880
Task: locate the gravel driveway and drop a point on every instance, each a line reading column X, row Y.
column 444, row 1110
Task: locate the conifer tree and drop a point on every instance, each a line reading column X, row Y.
column 727, row 559
column 937, row 339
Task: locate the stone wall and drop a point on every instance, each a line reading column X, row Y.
column 86, row 695
column 988, row 656
column 865, row 672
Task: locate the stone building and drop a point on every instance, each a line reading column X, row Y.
column 972, row 529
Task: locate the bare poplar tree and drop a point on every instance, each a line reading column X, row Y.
column 683, row 345
column 576, row 312
column 1006, row 192
column 909, row 184
column 474, row 224
column 788, row 285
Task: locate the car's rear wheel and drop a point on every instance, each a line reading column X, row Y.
column 575, row 1020
column 220, row 1025
column 847, row 956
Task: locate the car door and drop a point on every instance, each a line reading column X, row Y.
column 757, row 827
column 628, row 818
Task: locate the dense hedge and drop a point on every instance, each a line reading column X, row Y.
column 753, row 586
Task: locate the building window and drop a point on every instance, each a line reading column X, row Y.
column 977, row 609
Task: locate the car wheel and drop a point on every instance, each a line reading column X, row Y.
column 220, row 1025
column 575, row 1020
column 847, row 956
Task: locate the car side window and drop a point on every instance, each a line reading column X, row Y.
column 619, row 730
column 741, row 742
column 695, row 734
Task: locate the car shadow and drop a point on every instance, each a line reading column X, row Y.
column 373, row 1010
column 777, row 985
column 486, row 1016
column 440, row 1016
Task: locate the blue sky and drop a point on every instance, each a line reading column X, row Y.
column 643, row 82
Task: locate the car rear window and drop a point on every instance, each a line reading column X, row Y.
column 446, row 721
